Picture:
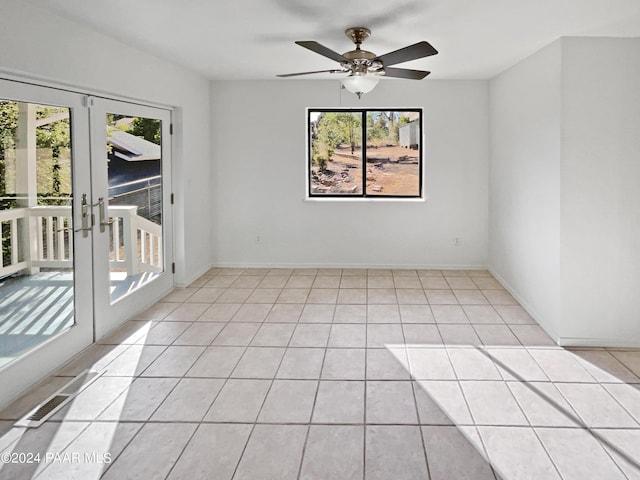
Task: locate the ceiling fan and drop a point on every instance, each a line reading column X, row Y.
column 364, row 67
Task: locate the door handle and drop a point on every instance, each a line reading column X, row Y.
column 86, row 218
column 103, row 215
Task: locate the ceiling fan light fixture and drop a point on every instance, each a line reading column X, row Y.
column 360, row 84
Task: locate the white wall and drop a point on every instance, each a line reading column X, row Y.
column 601, row 191
column 524, row 206
column 564, row 197
column 258, row 142
column 40, row 45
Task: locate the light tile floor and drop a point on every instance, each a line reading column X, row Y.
column 337, row 374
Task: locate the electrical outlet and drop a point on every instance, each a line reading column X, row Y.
column 257, row 238
column 456, row 241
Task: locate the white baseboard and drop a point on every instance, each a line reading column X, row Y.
column 591, row 342
column 189, row 280
column 530, row 310
column 398, row 266
column 598, row 342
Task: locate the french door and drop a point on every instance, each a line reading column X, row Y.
column 86, row 223
column 130, row 179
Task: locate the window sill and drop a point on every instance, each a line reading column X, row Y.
column 364, row 199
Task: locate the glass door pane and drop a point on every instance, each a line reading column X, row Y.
column 134, row 169
column 36, row 275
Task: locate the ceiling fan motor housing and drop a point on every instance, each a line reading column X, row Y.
column 359, row 60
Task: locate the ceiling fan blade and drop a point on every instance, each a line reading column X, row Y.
column 309, row 73
column 418, row 50
column 405, row 73
column 322, row 50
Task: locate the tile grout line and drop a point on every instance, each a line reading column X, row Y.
column 607, row 451
column 466, row 401
column 264, row 400
column 471, row 415
column 66, row 447
column 183, row 449
column 123, row 449
column 315, row 399
column 615, row 399
column 227, row 378
column 637, row 375
column 415, row 406
column 346, row 424
column 365, row 377
column 546, row 450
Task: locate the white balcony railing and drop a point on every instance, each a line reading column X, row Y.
column 135, row 243
column 13, row 219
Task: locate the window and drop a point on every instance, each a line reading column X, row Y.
column 365, row 153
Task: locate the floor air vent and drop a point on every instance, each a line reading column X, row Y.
column 47, row 408
column 59, row 399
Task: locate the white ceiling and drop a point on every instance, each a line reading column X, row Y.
column 253, row 39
